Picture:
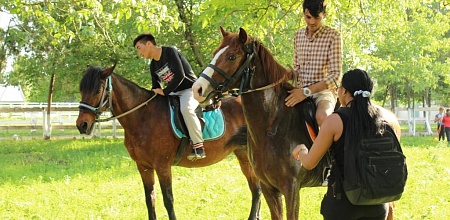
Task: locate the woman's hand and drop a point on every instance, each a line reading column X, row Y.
column 300, row 149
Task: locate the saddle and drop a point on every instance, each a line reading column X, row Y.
column 211, row 120
column 177, row 117
column 308, row 108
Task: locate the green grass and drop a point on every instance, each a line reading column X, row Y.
column 96, row 179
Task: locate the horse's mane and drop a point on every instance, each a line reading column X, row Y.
column 273, row 70
column 90, row 83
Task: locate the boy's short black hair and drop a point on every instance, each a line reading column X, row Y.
column 315, row 7
column 144, row 38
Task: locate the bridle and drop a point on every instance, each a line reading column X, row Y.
column 107, row 100
column 245, row 72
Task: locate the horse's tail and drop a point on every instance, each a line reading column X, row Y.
column 239, row 138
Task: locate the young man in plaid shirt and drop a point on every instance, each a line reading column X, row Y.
column 317, row 60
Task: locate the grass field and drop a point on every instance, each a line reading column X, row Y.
column 96, row 179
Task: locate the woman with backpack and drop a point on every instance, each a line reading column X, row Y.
column 356, row 114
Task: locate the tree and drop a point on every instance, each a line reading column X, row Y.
column 391, row 40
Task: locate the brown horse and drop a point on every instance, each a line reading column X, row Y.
column 148, row 136
column 242, row 63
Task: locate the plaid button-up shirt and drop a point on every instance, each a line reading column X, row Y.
column 318, row 58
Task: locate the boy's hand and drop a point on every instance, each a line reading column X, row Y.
column 158, row 91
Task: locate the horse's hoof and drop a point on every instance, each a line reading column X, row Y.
column 196, row 154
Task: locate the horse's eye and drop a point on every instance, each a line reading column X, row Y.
column 232, row 57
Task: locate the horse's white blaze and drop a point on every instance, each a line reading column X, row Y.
column 202, row 83
column 209, row 71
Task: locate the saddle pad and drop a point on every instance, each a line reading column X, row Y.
column 214, row 125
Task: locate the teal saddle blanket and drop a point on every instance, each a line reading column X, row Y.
column 213, row 129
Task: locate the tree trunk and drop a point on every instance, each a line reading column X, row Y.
column 188, row 34
column 48, row 123
column 392, row 95
column 384, row 96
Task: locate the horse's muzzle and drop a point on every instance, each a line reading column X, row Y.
column 198, row 93
column 85, row 128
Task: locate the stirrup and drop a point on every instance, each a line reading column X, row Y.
column 196, row 154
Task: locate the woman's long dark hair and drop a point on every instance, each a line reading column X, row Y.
column 363, row 115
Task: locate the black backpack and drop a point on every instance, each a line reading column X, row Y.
column 378, row 174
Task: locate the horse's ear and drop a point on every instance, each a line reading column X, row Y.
column 224, row 32
column 109, row 71
column 242, row 35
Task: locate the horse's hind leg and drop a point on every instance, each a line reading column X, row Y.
column 253, row 183
column 148, row 179
column 274, row 201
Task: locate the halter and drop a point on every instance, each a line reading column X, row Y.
column 245, row 71
column 108, row 100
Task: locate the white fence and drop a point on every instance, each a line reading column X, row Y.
column 419, row 115
column 63, row 116
column 33, row 116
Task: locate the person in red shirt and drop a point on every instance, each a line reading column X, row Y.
column 446, row 123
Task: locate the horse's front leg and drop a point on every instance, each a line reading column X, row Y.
column 148, row 179
column 274, row 201
column 165, row 181
column 292, row 198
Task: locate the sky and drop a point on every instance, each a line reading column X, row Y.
column 4, row 19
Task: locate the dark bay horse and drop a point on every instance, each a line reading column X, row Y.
column 148, row 136
column 242, row 63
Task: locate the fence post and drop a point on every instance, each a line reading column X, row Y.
column 411, row 123
column 427, row 122
column 114, row 128
column 97, row 130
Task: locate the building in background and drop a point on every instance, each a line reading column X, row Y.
column 11, row 94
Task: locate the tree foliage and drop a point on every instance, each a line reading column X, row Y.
column 403, row 44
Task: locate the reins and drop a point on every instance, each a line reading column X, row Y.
column 127, row 112
column 108, row 99
column 265, row 87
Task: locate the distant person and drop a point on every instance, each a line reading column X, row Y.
column 446, row 123
column 438, row 121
